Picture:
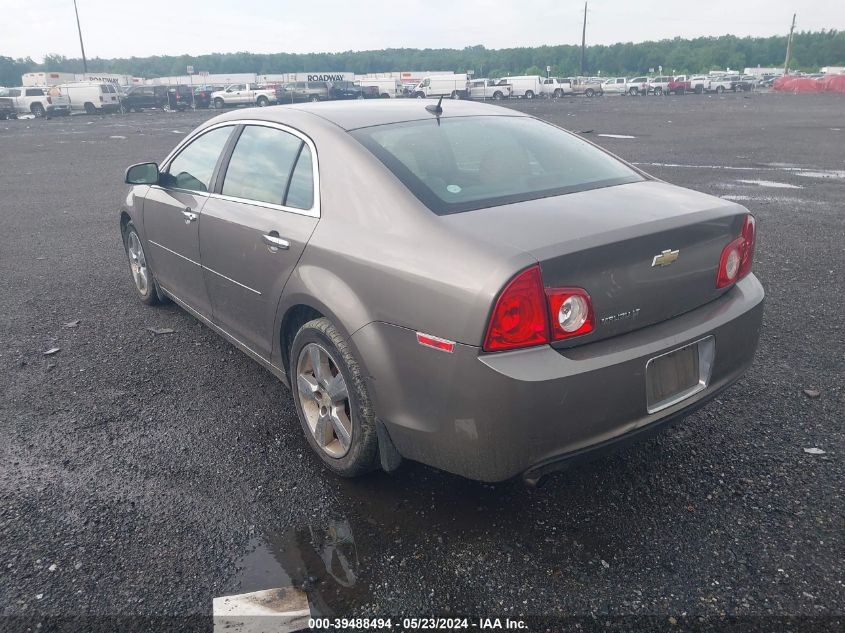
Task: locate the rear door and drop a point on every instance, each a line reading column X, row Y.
column 255, row 227
column 172, row 217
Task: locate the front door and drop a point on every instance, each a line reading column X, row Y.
column 253, row 235
column 172, row 213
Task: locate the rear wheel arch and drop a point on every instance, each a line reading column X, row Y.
column 296, row 316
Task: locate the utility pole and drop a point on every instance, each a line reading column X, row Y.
column 583, row 39
column 81, row 45
column 789, row 47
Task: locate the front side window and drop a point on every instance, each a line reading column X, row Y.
column 194, row 166
column 464, row 163
column 261, row 165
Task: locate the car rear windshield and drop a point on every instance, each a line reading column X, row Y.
column 465, row 163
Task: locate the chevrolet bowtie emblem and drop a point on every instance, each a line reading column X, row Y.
column 665, row 258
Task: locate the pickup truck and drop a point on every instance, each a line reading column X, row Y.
column 243, row 94
column 659, row 85
column 698, row 83
column 582, row 86
column 488, row 89
column 37, row 101
column 638, row 86
column 679, row 85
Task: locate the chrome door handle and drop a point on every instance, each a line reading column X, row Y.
column 275, row 242
column 189, row 215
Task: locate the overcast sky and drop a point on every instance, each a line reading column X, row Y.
column 123, row 28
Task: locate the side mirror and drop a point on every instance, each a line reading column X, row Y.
column 142, row 174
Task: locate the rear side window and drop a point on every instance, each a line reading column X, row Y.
column 261, row 165
column 466, row 163
column 194, row 166
column 301, row 190
column 34, row 92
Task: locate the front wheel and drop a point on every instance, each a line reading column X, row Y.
column 332, row 400
column 498, row 96
column 38, row 110
column 263, row 102
column 589, row 92
column 90, row 109
column 218, row 103
column 145, row 283
column 558, row 93
column 633, row 92
column 719, row 90
column 313, row 98
column 455, row 95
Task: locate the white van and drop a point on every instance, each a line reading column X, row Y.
column 526, row 86
column 387, row 88
column 90, row 96
column 454, row 86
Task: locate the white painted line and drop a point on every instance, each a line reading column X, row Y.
column 771, row 183
column 617, row 136
column 283, row 610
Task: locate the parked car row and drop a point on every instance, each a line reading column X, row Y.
column 680, row 84
column 93, row 97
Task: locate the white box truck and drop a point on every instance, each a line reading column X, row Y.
column 453, row 86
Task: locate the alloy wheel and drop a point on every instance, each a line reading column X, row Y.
column 138, row 263
column 324, row 399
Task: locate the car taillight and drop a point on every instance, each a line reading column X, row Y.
column 527, row 314
column 738, row 256
column 571, row 312
column 519, row 317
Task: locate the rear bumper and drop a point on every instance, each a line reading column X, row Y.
column 494, row 416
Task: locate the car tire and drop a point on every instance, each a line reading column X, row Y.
column 313, row 98
column 589, row 92
column 699, row 90
column 384, row 95
column 719, row 90
column 262, row 102
column 219, row 103
column 90, row 109
column 455, row 95
column 498, row 96
column 321, row 415
column 142, row 276
column 529, row 94
column 633, row 92
column 38, row 110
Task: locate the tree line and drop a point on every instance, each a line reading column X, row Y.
column 811, row 50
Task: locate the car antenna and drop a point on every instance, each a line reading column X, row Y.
column 436, row 109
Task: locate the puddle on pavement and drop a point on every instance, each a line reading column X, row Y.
column 319, row 559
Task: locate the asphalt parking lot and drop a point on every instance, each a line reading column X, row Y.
column 149, row 473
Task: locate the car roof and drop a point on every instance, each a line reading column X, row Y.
column 351, row 115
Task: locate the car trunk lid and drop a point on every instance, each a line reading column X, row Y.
column 645, row 252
